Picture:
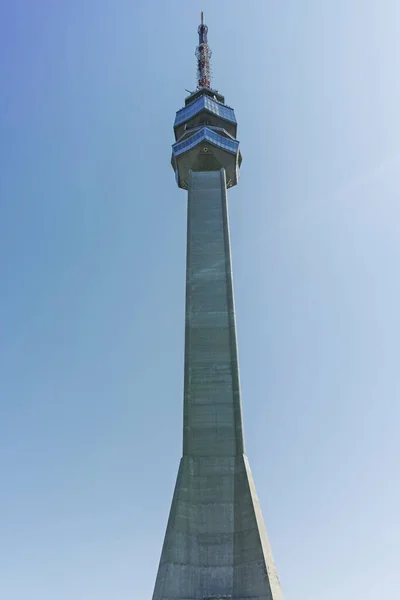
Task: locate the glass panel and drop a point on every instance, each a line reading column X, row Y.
column 205, row 102
column 211, row 136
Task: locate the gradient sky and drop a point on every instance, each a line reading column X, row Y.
column 92, row 271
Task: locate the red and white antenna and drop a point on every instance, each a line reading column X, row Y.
column 203, row 55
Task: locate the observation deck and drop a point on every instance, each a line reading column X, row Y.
column 205, row 133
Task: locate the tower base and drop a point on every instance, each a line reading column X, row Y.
column 216, row 546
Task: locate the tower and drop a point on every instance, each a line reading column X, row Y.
column 216, row 546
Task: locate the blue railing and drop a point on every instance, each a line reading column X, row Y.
column 205, row 102
column 206, row 134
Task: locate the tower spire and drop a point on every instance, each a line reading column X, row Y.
column 203, row 55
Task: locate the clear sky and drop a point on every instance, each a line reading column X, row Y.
column 92, row 269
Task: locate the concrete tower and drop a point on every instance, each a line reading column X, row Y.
column 216, row 544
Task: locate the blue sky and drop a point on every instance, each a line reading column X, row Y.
column 92, row 268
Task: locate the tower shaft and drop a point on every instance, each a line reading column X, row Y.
column 212, row 411
column 216, row 545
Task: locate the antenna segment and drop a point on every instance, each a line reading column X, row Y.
column 203, row 55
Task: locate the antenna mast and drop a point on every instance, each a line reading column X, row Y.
column 203, row 55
